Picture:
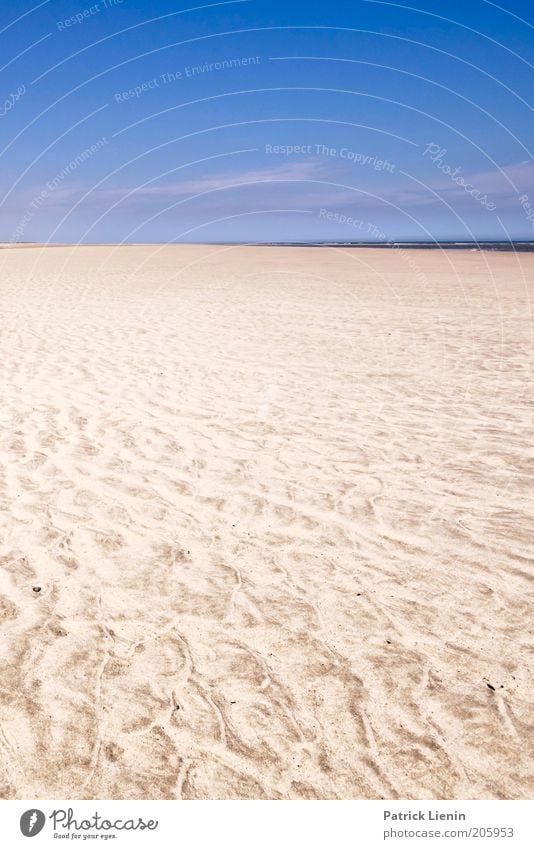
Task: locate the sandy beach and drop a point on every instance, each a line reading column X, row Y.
column 265, row 523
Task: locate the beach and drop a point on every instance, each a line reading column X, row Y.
column 265, row 523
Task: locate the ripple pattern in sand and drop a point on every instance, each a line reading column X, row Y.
column 280, row 520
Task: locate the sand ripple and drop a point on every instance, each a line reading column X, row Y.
column 278, row 508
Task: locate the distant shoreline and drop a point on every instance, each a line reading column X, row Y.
column 480, row 246
column 514, row 246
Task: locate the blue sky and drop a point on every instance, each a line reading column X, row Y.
column 265, row 121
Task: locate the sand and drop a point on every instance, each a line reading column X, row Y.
column 277, row 502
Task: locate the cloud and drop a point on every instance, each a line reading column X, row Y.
column 497, row 184
column 306, row 183
column 208, row 183
column 520, row 173
column 293, row 171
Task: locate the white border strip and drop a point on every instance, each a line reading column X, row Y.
column 273, row 824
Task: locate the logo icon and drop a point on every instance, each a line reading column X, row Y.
column 32, row 822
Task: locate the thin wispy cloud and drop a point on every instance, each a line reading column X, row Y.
column 292, row 171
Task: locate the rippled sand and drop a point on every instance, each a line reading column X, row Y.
column 278, row 504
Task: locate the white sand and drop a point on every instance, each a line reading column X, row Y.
column 278, row 503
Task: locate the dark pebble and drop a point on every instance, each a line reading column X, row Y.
column 36, row 589
column 490, row 686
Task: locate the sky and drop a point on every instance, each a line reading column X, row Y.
column 247, row 121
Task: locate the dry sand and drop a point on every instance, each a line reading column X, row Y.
column 278, row 504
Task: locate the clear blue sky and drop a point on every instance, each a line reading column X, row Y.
column 247, row 121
